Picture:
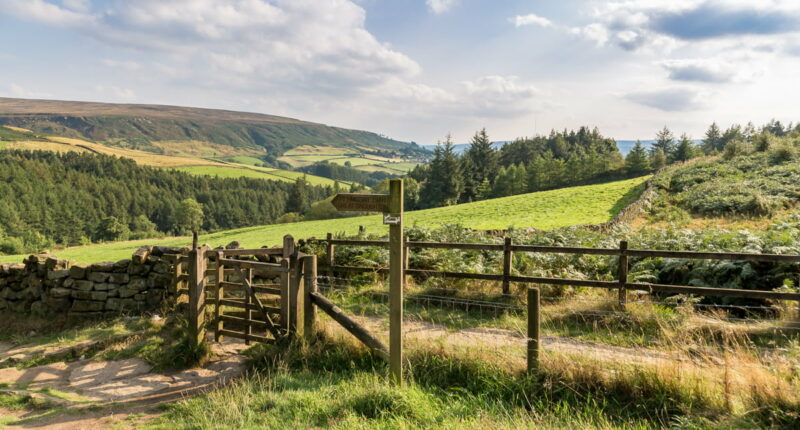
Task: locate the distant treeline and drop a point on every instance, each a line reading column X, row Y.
column 525, row 165
column 344, row 173
column 75, row 198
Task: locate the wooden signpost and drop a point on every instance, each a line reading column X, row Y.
column 392, row 207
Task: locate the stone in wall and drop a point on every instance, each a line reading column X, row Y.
column 45, row 284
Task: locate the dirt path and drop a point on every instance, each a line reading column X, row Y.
column 501, row 338
column 99, row 393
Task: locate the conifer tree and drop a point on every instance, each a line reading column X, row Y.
column 711, row 142
column 636, row 162
column 444, row 185
column 685, row 149
column 658, row 159
column 480, row 162
column 665, row 141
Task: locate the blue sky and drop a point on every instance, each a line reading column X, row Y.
column 419, row 69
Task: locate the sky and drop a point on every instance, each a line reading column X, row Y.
column 416, row 70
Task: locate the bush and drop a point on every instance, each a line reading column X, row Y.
column 783, row 152
column 735, row 148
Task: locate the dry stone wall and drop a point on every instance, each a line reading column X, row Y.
column 44, row 284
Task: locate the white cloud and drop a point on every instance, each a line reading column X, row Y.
column 657, row 24
column 16, row 90
column 115, row 92
column 530, row 19
column 597, row 33
column 674, row 99
column 248, row 43
column 486, row 97
column 440, row 6
column 126, row 65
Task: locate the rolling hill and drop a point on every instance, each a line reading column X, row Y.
column 156, row 128
column 590, row 204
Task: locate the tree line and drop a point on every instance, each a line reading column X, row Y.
column 524, row 165
column 733, row 141
column 79, row 198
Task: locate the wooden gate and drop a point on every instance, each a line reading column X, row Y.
column 255, row 293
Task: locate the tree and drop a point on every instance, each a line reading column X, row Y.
column 658, row 159
column 189, row 216
column 636, row 162
column 685, row 149
column 665, row 141
column 142, row 228
column 711, row 142
column 444, row 185
column 298, row 197
column 110, row 229
column 480, row 163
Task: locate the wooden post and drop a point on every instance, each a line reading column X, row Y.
column 507, row 265
column 197, row 293
column 288, row 250
column 249, row 312
column 329, row 257
column 309, row 287
column 396, row 280
column 623, row 273
column 533, row 328
column 219, row 294
column 296, row 296
column 176, row 282
column 195, row 241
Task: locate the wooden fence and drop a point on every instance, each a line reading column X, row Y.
column 622, row 284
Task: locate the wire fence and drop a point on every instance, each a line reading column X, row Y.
column 719, row 341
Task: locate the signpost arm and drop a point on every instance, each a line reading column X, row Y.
column 396, row 263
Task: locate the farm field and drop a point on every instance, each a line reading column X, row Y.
column 589, row 204
column 189, row 164
column 231, row 171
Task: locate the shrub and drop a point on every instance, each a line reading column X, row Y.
column 783, row 152
column 735, row 148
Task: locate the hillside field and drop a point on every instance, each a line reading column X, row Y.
column 588, row 204
column 190, row 164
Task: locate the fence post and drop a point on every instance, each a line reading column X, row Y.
column 309, row 286
column 288, row 250
column 296, row 296
column 249, row 311
column 396, row 281
column 623, row 273
column 329, row 257
column 219, row 293
column 197, row 293
column 506, row 265
column 533, row 328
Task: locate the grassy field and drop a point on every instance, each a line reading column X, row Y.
column 590, row 204
column 189, row 164
column 254, row 172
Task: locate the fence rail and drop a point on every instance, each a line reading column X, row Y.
column 621, row 284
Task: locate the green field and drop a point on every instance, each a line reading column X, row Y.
column 589, row 204
column 254, row 172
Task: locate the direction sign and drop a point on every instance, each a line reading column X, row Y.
column 361, row 202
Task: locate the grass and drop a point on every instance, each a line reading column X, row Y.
column 334, row 383
column 590, row 204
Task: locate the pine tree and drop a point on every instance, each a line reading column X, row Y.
column 665, row 141
column 685, row 149
column 444, row 184
column 711, row 142
column 636, row 162
column 658, row 159
column 480, row 162
column 298, row 197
